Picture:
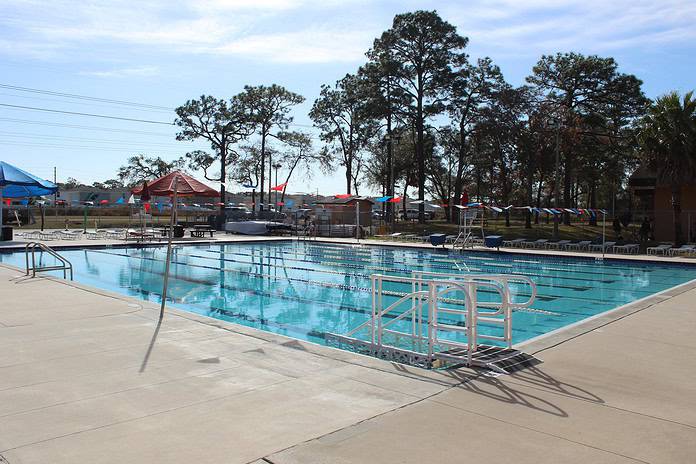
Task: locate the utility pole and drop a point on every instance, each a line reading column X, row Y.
column 55, row 194
column 556, row 192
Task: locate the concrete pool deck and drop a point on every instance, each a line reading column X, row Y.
column 87, row 376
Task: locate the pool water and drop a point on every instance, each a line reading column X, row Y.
column 304, row 290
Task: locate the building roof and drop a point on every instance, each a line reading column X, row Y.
column 644, row 176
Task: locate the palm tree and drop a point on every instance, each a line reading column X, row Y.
column 668, row 138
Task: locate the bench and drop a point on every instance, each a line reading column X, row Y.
column 201, row 231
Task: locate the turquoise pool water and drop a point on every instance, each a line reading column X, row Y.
column 303, row 289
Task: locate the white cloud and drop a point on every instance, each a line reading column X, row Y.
column 319, row 31
column 141, row 71
column 307, row 46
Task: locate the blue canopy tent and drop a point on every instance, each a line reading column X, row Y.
column 16, row 183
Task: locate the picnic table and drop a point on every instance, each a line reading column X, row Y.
column 200, row 231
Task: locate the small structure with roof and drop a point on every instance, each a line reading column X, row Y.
column 338, row 216
column 653, row 200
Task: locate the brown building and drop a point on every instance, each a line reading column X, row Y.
column 654, row 201
column 345, row 210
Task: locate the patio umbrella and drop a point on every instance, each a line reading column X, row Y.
column 185, row 186
column 173, row 184
column 16, row 183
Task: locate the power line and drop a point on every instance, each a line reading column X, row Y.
column 89, row 103
column 93, row 148
column 30, row 137
column 76, row 113
column 84, row 97
column 78, row 126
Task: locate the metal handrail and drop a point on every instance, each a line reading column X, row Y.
column 504, row 279
column 32, row 246
column 433, row 289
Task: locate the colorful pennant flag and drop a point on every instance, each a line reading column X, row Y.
column 279, row 187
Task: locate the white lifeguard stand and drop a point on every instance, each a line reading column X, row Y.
column 471, row 220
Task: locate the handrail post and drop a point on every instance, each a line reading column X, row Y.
column 471, row 301
column 432, row 318
column 379, row 310
column 374, row 309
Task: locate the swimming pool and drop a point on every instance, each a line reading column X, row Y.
column 306, row 289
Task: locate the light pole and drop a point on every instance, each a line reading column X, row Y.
column 276, row 167
column 556, row 191
column 389, row 138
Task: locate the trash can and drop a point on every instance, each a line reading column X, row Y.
column 494, row 241
column 438, row 239
column 178, row 231
column 6, row 234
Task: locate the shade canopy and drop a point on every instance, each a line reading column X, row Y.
column 16, row 183
column 186, row 186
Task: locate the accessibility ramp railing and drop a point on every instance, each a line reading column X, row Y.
column 440, row 319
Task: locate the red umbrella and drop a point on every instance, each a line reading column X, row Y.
column 104, row 202
column 186, row 186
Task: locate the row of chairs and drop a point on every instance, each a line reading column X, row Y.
column 668, row 249
column 569, row 245
column 98, row 234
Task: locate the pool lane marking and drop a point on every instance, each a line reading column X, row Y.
column 354, row 265
column 606, row 300
column 573, row 270
column 295, row 279
column 540, row 297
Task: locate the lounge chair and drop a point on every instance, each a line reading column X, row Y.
column 115, row 234
column 628, row 248
column 579, row 246
column 95, row 235
column 140, row 234
column 601, row 246
column 394, row 235
column 683, row 250
column 661, row 249
column 557, row 245
column 541, row 243
column 514, row 243
column 68, row 235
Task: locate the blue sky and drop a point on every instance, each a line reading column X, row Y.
column 164, row 52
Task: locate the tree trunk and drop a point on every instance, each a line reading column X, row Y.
column 676, row 206
column 420, row 155
column 223, row 175
column 270, row 179
column 538, row 200
column 593, row 203
column 566, row 190
column 349, row 177
column 261, row 183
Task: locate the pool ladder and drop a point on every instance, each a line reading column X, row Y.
column 30, row 249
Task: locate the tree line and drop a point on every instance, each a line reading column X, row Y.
column 421, row 115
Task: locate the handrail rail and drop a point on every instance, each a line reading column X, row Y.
column 505, row 279
column 433, row 289
column 32, row 246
